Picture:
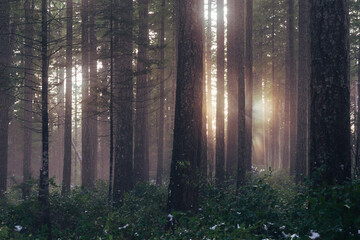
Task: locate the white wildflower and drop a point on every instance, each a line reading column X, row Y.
column 314, row 235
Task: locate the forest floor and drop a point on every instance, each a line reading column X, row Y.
column 269, row 207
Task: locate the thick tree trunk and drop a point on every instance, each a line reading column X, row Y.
column 123, row 173
column 330, row 159
column 220, row 83
column 28, row 98
column 44, row 171
column 162, row 98
column 141, row 104
column 302, row 148
column 249, row 84
column 68, row 102
column 4, row 92
column 232, row 87
column 186, row 159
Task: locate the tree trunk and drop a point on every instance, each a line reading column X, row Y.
column 220, row 71
column 275, row 100
column 210, row 139
column 93, row 100
column 330, row 159
column 162, row 98
column 44, row 171
column 85, row 122
column 123, row 175
column 240, row 52
column 204, row 161
column 249, row 84
column 302, row 148
column 4, row 92
column 186, row 159
column 28, row 98
column 232, row 85
column 292, row 84
column 141, row 104
column 68, row 102
column 111, row 107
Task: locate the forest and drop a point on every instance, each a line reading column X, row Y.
column 180, row 119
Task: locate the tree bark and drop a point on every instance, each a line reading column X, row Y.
column 210, row 139
column 186, row 159
column 93, row 98
column 240, row 52
column 44, row 171
column 141, row 104
column 292, row 84
column 68, row 102
column 4, row 92
column 85, row 128
column 275, row 99
column 249, row 84
column 123, row 171
column 162, row 98
column 28, row 98
column 302, row 147
column 232, row 87
column 220, row 83
column 330, row 159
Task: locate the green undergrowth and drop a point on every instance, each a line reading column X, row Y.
column 268, row 207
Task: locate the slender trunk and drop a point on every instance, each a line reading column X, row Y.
column 68, row 107
column 111, row 110
column 162, row 98
column 210, row 139
column 249, row 84
column 275, row 99
column 292, row 84
column 232, row 88
column 28, row 98
column 240, row 52
column 357, row 144
column 220, row 62
column 4, row 92
column 44, row 171
column 93, row 101
column 204, row 158
column 303, row 91
column 75, row 127
column 141, row 105
column 85, row 130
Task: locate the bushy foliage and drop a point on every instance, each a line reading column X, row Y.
column 268, row 207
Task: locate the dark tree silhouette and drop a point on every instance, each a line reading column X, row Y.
column 303, row 90
column 186, row 158
column 330, row 99
column 68, row 106
column 220, row 100
column 123, row 171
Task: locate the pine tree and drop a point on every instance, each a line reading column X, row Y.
column 186, row 158
column 329, row 159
